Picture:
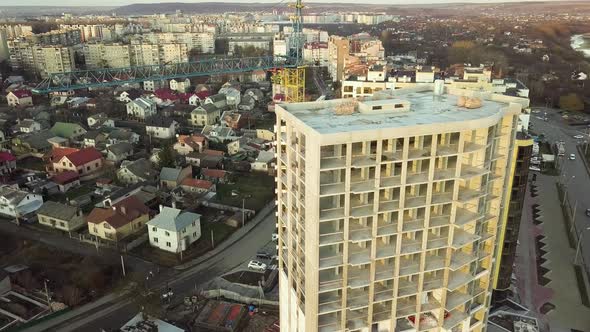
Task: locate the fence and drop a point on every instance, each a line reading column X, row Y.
column 216, row 293
column 247, row 212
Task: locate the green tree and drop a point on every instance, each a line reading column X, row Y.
column 166, row 156
column 571, row 102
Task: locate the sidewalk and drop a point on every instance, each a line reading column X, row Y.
column 562, row 291
column 236, row 236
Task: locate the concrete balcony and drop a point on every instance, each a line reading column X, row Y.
column 390, row 181
column 419, row 153
column 432, row 304
column 454, row 318
column 407, row 288
column 388, row 206
column 447, row 150
column 381, row 312
column 384, row 229
column 357, row 319
column 363, row 161
column 442, row 198
column 364, row 210
column 466, row 195
column 382, row 293
column 455, row 299
column 415, row 202
column 385, row 251
column 458, row 279
column 359, row 257
column 331, row 214
column 329, row 302
column 359, row 279
column 358, row 233
column 410, row 246
column 411, row 225
column 329, row 163
column 409, row 267
column 384, row 272
column 357, row 299
column 464, row 216
column 390, row 156
column 470, row 147
column 406, row 308
column 461, row 238
column 469, row 172
column 332, row 238
column 432, row 283
column 331, row 284
column 330, row 261
column 416, row 178
column 329, row 323
column 332, row 189
column 404, row 325
column 439, row 221
column 444, row 174
column 362, row 186
column 434, row 263
column 437, row 242
column 460, row 259
column 427, row 322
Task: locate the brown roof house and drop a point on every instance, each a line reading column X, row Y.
column 118, row 221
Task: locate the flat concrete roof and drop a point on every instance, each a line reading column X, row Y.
column 425, row 109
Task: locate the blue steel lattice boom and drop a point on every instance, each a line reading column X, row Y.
column 105, row 77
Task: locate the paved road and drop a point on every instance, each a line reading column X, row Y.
column 114, row 315
column 573, row 172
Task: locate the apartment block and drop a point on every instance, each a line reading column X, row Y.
column 389, row 211
column 337, row 55
column 203, row 42
column 102, row 55
column 40, row 60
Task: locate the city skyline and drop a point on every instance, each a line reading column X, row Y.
column 129, row 2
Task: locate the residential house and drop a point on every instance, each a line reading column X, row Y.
column 16, row 203
column 207, row 159
column 114, row 223
column 219, row 133
column 119, row 151
column 247, row 103
column 141, row 109
column 180, row 85
column 174, row 230
column 7, row 163
column 85, row 162
column 219, row 100
column 206, row 114
column 232, row 96
column 153, row 85
column 194, row 143
column 60, row 216
column 100, row 120
column 35, row 144
column 28, row 126
column 214, row 175
column 66, row 180
column 140, row 170
column 122, row 135
column 94, row 138
column 58, row 100
column 19, row 98
column 197, row 186
column 161, row 127
column 172, row 177
column 263, row 161
column 68, row 130
column 129, row 95
column 198, row 98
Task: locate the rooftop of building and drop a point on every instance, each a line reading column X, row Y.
column 424, row 109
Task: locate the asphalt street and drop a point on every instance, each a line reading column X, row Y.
column 114, row 315
column 573, row 172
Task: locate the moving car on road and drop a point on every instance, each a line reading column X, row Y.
column 256, row 265
column 588, row 212
column 572, row 156
column 578, row 136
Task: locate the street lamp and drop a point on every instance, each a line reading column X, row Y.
column 565, row 189
column 580, row 236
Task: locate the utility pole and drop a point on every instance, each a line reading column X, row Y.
column 123, row 266
column 212, row 240
column 243, row 212
column 47, row 295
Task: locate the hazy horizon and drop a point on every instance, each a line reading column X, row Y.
column 77, row 3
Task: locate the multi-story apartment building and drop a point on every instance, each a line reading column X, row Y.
column 338, row 48
column 389, row 210
column 92, row 31
column 10, row 32
column 40, row 59
column 202, row 42
column 316, row 53
column 65, row 37
column 102, row 55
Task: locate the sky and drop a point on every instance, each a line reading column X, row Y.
column 126, row 2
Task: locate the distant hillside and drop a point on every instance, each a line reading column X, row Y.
column 451, row 9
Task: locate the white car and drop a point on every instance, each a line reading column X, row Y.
column 256, row 265
column 572, row 156
column 578, row 136
column 275, row 237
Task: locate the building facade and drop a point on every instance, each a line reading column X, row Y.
column 389, row 210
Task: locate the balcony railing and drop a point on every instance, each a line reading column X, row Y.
column 332, row 163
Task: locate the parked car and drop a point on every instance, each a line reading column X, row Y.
column 256, row 265
column 263, row 255
column 578, row 136
column 275, row 237
column 588, row 212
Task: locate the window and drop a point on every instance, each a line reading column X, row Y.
column 64, row 163
column 168, row 244
column 62, row 224
column 96, row 165
column 156, row 240
column 107, row 226
column 154, row 229
column 184, row 230
column 195, row 234
column 71, row 165
column 194, row 223
column 87, row 168
column 167, row 233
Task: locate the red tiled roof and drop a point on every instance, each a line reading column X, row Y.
column 84, row 156
column 65, row 177
column 119, row 214
column 279, row 97
column 166, row 94
column 204, row 184
column 213, row 173
column 57, row 153
column 213, row 152
column 203, row 94
column 6, row 156
column 22, row 93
